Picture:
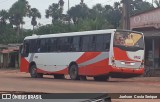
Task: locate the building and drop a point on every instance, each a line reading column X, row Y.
column 149, row 23
column 9, row 56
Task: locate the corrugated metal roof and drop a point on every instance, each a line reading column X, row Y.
column 146, row 11
column 7, row 51
column 3, row 46
column 154, row 33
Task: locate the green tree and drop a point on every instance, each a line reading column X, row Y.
column 98, row 8
column 138, row 6
column 34, row 13
column 157, row 2
column 61, row 3
column 82, row 2
column 18, row 10
column 78, row 12
column 54, row 11
column 3, row 17
column 113, row 14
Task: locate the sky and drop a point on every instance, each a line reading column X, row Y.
column 42, row 5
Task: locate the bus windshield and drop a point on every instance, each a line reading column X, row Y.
column 128, row 40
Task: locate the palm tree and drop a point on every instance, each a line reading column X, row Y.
column 61, row 3
column 82, row 2
column 54, row 11
column 3, row 17
column 78, row 12
column 34, row 13
column 138, row 6
column 98, row 8
column 18, row 10
column 157, row 2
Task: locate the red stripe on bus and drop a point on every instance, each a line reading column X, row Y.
column 121, row 55
column 87, row 56
column 98, row 68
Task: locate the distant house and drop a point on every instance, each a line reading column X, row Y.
column 149, row 23
column 9, row 55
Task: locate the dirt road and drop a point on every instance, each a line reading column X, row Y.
column 13, row 80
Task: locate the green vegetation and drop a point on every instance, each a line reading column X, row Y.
column 78, row 18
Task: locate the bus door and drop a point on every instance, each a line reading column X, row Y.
column 24, row 56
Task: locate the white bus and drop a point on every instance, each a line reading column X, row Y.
column 98, row 54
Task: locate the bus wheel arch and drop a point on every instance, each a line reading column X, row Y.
column 33, row 72
column 30, row 65
column 73, row 71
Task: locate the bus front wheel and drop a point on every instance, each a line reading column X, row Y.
column 101, row 78
column 34, row 73
column 73, row 72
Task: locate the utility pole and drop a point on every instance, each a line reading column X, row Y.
column 152, row 3
column 126, row 14
column 68, row 16
column 68, row 5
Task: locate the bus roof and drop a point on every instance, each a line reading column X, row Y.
column 73, row 33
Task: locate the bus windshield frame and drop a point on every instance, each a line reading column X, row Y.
column 128, row 40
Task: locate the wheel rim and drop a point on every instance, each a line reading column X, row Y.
column 33, row 72
column 73, row 72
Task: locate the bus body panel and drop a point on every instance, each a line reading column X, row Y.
column 24, row 65
column 89, row 63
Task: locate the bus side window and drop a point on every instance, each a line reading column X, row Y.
column 33, row 45
column 85, row 43
column 38, row 46
column 53, row 44
column 70, row 44
column 43, row 45
column 80, row 43
column 99, row 43
column 106, row 39
column 49, row 45
column 76, row 44
column 91, row 43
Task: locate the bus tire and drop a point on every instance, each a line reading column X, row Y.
column 101, row 78
column 59, row 76
column 33, row 72
column 73, row 72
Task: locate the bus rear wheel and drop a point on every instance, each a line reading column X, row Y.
column 59, row 76
column 34, row 73
column 73, row 72
column 101, row 78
